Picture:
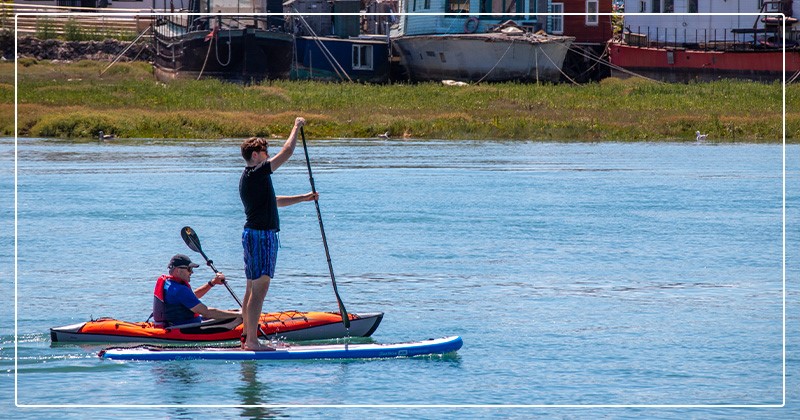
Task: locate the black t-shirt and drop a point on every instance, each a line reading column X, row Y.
column 258, row 197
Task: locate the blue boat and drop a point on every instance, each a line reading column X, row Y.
column 334, row 47
column 337, row 59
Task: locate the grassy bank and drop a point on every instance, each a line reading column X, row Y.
column 75, row 101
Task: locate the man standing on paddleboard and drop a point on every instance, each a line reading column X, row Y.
column 260, row 234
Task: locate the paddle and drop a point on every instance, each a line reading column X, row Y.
column 342, row 310
column 193, row 242
column 191, row 239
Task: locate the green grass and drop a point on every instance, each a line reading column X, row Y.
column 75, row 101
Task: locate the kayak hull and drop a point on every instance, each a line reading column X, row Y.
column 289, row 352
column 287, row 325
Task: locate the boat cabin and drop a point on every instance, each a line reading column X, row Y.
column 589, row 29
column 456, row 16
column 534, row 15
column 680, row 22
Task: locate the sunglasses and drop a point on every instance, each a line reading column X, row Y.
column 189, row 269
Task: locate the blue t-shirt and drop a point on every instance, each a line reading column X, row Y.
column 180, row 299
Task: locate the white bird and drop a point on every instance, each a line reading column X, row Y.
column 384, row 135
column 700, row 137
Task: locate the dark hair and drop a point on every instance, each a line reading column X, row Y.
column 253, row 144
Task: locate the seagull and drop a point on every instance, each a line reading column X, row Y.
column 102, row 136
column 384, row 135
column 700, row 137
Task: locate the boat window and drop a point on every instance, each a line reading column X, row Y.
column 458, row 6
column 592, row 17
column 669, row 6
column 502, row 7
column 692, row 6
column 656, row 6
column 556, row 18
column 362, row 57
column 643, row 6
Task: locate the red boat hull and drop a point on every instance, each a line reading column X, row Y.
column 290, row 325
column 677, row 64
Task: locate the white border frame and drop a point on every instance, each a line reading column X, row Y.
column 16, row 245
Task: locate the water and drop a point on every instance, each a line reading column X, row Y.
column 577, row 274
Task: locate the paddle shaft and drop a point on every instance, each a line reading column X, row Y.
column 193, row 242
column 224, row 282
column 342, row 310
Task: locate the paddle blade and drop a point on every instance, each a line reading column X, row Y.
column 191, row 239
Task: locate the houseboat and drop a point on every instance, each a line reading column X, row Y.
column 512, row 45
column 235, row 47
column 683, row 41
column 335, row 47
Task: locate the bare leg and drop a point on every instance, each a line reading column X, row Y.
column 245, row 304
column 251, row 310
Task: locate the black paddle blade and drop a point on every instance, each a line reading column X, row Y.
column 191, row 239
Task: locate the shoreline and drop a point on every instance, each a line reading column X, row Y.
column 74, row 101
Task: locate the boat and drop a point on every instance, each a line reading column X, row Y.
column 678, row 44
column 290, row 352
column 333, row 47
column 466, row 48
column 234, row 48
column 288, row 325
column 364, row 60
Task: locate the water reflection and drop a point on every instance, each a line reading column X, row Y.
column 176, row 376
column 254, row 394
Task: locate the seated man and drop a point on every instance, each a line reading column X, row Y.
column 174, row 301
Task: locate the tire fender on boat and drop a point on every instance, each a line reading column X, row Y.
column 471, row 25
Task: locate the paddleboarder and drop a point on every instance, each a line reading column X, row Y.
column 260, row 234
column 174, row 301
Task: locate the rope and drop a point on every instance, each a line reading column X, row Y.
column 325, row 52
column 497, row 63
column 557, row 66
column 126, row 50
column 613, row 66
column 208, row 53
column 216, row 50
column 794, row 77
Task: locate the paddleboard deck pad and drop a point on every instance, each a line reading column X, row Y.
column 288, row 352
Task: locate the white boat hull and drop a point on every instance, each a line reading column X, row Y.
column 492, row 57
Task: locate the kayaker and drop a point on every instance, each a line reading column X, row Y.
column 260, row 234
column 174, row 301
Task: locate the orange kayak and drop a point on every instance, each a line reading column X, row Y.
column 289, row 325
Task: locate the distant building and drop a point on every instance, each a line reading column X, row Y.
column 100, row 4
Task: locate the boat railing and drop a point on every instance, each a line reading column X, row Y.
column 174, row 25
column 713, row 39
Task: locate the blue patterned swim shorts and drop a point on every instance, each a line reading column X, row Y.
column 260, row 252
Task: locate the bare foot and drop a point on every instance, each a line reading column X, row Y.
column 256, row 347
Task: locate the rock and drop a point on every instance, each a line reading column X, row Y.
column 54, row 49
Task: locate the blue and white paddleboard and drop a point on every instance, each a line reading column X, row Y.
column 331, row 351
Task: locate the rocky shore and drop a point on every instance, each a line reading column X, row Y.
column 54, row 49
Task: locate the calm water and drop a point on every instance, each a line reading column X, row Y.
column 577, row 274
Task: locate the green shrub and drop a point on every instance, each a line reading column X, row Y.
column 46, row 29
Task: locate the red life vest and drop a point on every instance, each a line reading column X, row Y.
column 161, row 309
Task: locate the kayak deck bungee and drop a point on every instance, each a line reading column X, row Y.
column 288, row 352
column 288, row 325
